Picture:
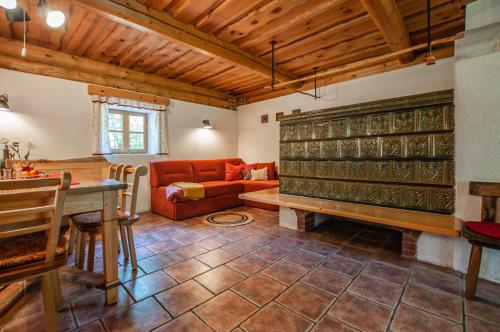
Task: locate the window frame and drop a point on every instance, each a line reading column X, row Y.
column 126, row 131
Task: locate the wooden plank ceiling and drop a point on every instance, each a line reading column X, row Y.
column 310, row 33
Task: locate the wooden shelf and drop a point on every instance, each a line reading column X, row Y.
column 421, row 221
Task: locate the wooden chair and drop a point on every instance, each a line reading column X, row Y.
column 484, row 233
column 90, row 223
column 126, row 219
column 30, row 241
column 83, row 225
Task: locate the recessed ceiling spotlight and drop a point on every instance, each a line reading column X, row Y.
column 8, row 4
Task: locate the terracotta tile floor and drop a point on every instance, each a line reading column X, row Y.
column 259, row 277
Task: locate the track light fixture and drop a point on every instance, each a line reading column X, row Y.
column 53, row 17
column 4, row 103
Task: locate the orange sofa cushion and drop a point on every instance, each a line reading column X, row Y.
column 219, row 188
column 233, row 173
column 163, row 173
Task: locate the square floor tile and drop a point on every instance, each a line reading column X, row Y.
column 474, row 325
column 89, row 308
column 321, row 248
column 434, row 301
column 288, row 243
column 163, row 246
column 126, row 273
column 327, row 324
column 304, row 258
column 225, row 311
column 360, row 313
column 284, row 272
column 408, row 318
column 482, row 310
column 187, row 252
column 213, row 242
column 36, row 322
column 446, row 282
column 275, row 317
column 219, row 279
column 271, row 253
column 216, row 257
column 387, row 272
column 95, row 326
column 181, row 298
column 248, row 264
column 259, row 289
column 156, row 262
column 376, row 290
column 185, row 323
column 235, row 235
column 186, row 270
column 343, row 265
column 142, row 316
column 306, row 300
column 240, row 247
column 355, row 254
column 149, row 284
column 327, row 280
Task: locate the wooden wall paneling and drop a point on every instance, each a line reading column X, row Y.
column 298, row 14
column 388, row 19
column 74, row 21
column 131, row 54
column 137, row 15
column 439, row 31
column 161, row 57
column 72, row 41
column 160, row 4
column 188, row 10
column 211, row 81
column 412, row 7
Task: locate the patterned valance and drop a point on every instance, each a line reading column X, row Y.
column 128, row 102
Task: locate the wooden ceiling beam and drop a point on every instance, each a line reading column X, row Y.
column 389, row 21
column 138, row 16
column 43, row 61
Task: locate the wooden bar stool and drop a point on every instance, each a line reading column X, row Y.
column 90, row 223
column 31, row 244
column 484, row 233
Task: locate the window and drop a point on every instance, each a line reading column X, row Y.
column 128, row 131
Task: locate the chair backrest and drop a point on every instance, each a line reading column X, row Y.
column 115, row 171
column 133, row 187
column 23, row 202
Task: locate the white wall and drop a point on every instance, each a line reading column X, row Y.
column 55, row 115
column 261, row 141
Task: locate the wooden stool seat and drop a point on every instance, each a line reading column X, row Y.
column 27, row 249
column 85, row 221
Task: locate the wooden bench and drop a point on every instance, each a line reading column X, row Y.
column 298, row 212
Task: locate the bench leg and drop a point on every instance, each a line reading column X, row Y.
column 305, row 220
column 473, row 271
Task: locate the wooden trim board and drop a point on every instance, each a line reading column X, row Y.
column 119, row 93
column 421, row 221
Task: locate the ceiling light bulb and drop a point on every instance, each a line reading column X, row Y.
column 8, row 4
column 55, row 18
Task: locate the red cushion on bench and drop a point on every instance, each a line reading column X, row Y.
column 489, row 229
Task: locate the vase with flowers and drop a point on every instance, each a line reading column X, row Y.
column 13, row 162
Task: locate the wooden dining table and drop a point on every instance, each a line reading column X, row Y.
column 94, row 195
column 97, row 194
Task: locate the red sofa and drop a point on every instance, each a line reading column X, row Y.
column 219, row 194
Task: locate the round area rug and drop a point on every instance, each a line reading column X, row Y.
column 228, row 219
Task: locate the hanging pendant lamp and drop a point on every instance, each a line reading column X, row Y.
column 430, row 59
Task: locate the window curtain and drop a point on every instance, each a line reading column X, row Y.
column 157, row 123
column 100, row 136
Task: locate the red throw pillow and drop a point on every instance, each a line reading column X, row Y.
column 247, row 174
column 233, row 172
column 271, row 169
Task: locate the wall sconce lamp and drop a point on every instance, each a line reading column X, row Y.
column 206, row 124
column 4, row 103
